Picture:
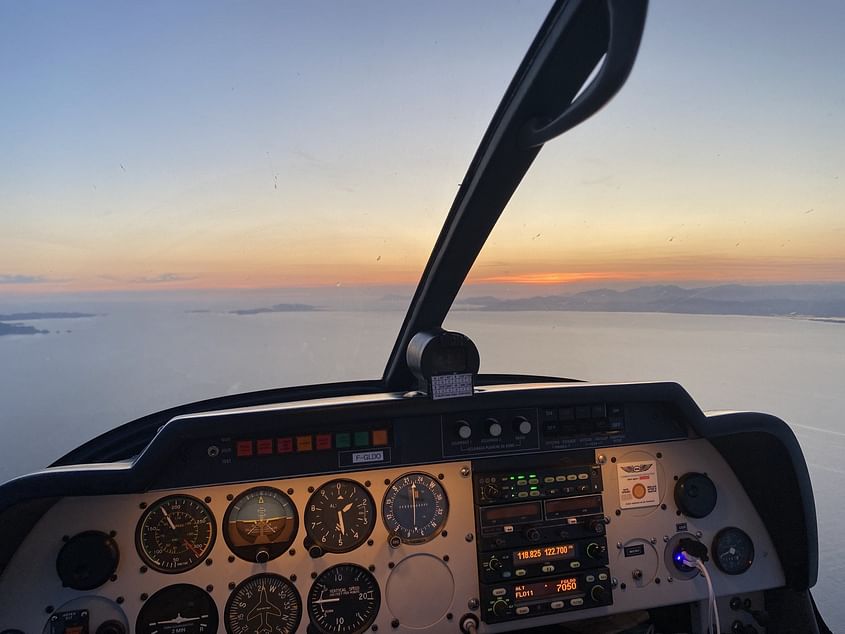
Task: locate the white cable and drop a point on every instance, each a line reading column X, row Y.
column 711, row 595
column 712, row 608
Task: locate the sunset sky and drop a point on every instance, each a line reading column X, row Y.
column 264, row 144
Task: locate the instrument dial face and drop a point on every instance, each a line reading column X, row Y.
column 179, row 609
column 265, row 603
column 733, row 551
column 175, row 534
column 345, row 599
column 415, row 508
column 260, row 524
column 340, row 516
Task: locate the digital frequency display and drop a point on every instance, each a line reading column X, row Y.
column 545, row 589
column 545, row 553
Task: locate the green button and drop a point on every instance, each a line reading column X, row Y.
column 341, row 441
column 362, row 438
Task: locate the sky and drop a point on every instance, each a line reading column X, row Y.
column 206, row 145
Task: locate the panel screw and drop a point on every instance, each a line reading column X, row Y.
column 614, row 582
column 213, row 451
column 619, row 545
column 698, row 534
column 464, row 472
column 653, row 541
column 665, row 539
column 469, row 537
column 669, row 579
column 601, row 458
column 473, row 604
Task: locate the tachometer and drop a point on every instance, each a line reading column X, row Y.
column 179, row 609
column 345, row 599
column 339, row 517
column 260, row 524
column 732, row 551
column 415, row 508
column 263, row 603
column 175, row 534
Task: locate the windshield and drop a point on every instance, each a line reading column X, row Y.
column 200, row 199
column 693, row 231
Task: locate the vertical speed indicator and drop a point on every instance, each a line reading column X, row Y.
column 415, row 508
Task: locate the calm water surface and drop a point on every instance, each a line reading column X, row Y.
column 61, row 389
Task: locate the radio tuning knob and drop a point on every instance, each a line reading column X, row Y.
column 522, row 425
column 532, row 534
column 494, row 563
column 464, row 430
column 597, row 593
column 594, row 550
column 500, row 607
column 494, row 427
column 598, row 527
column 491, row 491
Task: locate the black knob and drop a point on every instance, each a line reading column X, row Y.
column 594, row 550
column 598, row 593
column 111, row 627
column 695, row 494
column 532, row 534
column 494, row 563
column 500, row 607
column 491, row 491
column 262, row 556
column 87, row 560
column 315, row 551
column 637, row 574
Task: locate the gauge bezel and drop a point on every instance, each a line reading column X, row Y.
column 139, row 548
column 714, row 551
column 371, row 524
column 273, row 575
column 438, row 530
column 272, row 549
column 214, row 619
column 359, row 629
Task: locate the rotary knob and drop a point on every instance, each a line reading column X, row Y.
column 463, row 430
column 532, row 534
column 594, row 550
column 500, row 607
column 494, row 427
column 494, row 563
column 598, row 593
column 522, row 425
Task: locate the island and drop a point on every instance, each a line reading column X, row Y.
column 19, row 329
column 277, row 308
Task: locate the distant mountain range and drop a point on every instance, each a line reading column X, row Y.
column 806, row 300
column 277, row 308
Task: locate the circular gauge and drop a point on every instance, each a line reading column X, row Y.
column 732, row 551
column 340, row 516
column 345, row 599
column 179, row 609
column 260, row 524
column 415, row 508
column 263, row 603
column 175, row 534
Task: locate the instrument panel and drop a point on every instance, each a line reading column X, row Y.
column 524, row 526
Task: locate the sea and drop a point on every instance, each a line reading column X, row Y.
column 90, row 374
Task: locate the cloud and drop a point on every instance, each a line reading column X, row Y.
column 28, row 279
column 164, row 278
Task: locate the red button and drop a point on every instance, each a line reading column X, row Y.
column 324, row 441
column 303, row 443
column 284, row 445
column 244, row 448
column 264, row 446
column 379, row 437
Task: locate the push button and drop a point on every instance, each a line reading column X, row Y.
column 520, row 572
column 548, row 568
column 499, row 592
column 576, row 602
column 556, row 605
column 523, row 609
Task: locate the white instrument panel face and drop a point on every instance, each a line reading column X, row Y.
column 426, row 585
